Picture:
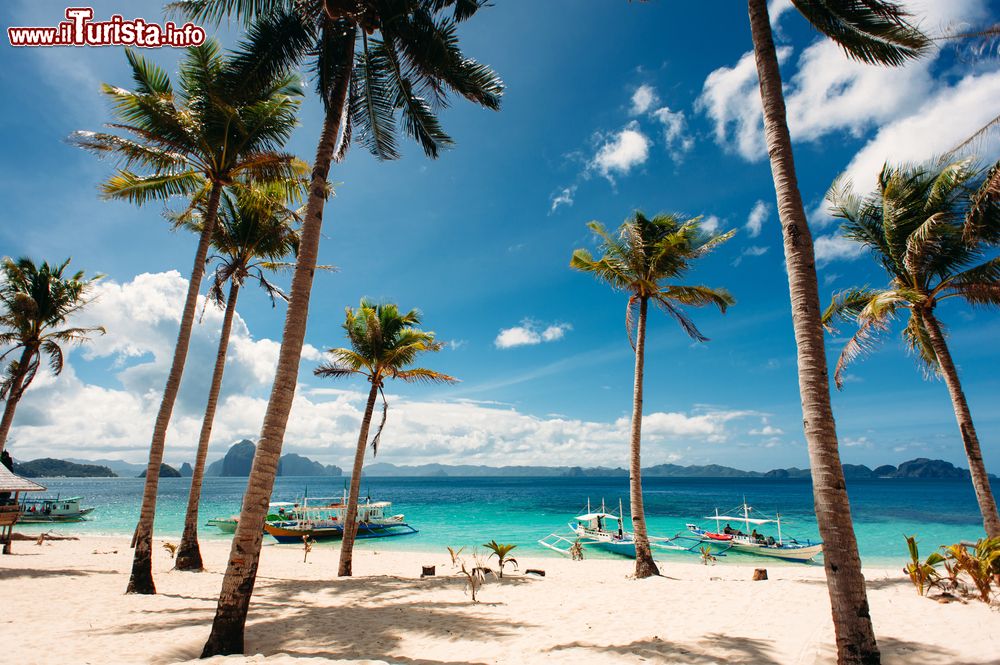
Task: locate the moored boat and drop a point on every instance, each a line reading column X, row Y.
column 750, row 541
column 276, row 511
column 601, row 530
column 47, row 509
column 323, row 519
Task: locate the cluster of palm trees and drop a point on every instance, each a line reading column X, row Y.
column 382, row 68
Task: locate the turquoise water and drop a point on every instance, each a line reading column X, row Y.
column 470, row 511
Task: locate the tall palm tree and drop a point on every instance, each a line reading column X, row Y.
column 254, row 233
column 384, row 345
column 365, row 82
column 34, row 302
column 875, row 32
column 639, row 261
column 227, row 121
column 922, row 226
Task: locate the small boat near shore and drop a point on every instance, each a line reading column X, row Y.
column 323, row 519
column 602, row 530
column 52, row 510
column 276, row 511
column 723, row 539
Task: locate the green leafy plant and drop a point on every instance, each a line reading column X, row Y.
column 980, row 564
column 170, row 547
column 454, row 554
column 706, row 555
column 501, row 552
column 923, row 574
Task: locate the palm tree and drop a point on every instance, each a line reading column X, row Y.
column 255, row 232
column 384, row 343
column 34, row 302
column 935, row 244
column 874, row 32
column 227, row 121
column 365, row 81
column 646, row 253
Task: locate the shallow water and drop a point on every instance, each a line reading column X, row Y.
column 470, row 511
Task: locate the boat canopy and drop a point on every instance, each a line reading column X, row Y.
column 592, row 516
column 282, row 504
column 730, row 518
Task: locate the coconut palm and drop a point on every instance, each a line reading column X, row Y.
column 373, row 62
column 254, row 233
column 874, row 32
column 384, row 344
column 227, row 121
column 640, row 261
column 34, row 302
column 923, row 227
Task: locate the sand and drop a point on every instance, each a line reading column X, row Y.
column 63, row 602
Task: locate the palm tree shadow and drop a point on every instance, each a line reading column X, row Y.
column 39, row 573
column 710, row 650
column 904, row 652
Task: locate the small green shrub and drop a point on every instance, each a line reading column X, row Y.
column 501, row 552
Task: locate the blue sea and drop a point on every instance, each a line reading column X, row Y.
column 471, row 511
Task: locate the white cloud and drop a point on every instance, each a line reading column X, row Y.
column 711, row 224
column 643, row 99
column 622, row 152
column 755, row 220
column 776, row 9
column 835, row 247
column 528, row 334
column 675, row 135
column 766, row 429
column 755, row 250
column 563, row 198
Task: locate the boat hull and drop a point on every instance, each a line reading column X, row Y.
column 293, row 533
column 794, row 553
column 39, row 518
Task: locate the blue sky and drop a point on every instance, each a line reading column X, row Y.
column 610, row 107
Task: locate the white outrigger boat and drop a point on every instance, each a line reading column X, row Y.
column 749, row 541
column 601, row 529
column 47, row 510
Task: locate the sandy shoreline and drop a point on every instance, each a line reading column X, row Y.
column 63, row 602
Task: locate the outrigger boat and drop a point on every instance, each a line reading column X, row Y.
column 750, row 542
column 324, row 520
column 47, row 510
column 276, row 511
column 601, row 529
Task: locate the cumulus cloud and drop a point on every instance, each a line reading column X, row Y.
column 835, row 247
column 622, row 151
column 675, row 134
column 711, row 224
column 643, row 99
column 529, row 333
column 563, row 197
column 755, row 220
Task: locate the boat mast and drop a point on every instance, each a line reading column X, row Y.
column 778, row 517
column 746, row 514
column 718, row 528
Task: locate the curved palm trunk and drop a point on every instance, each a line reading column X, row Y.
column 644, row 564
column 188, row 553
column 14, row 396
column 241, row 574
column 141, row 580
column 848, row 598
column 351, row 518
column 977, row 469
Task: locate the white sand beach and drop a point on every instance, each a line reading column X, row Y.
column 63, row 602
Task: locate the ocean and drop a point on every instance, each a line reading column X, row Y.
column 467, row 512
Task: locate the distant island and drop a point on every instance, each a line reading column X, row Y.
column 239, row 458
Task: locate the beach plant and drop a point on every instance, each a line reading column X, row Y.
column 706, row 555
column 924, row 574
column 35, row 303
column 384, row 344
column 934, row 229
column 171, row 549
column 475, row 576
column 373, row 62
column 454, row 554
column 502, row 552
column 576, row 550
column 307, row 546
column 255, row 232
column 228, row 120
column 981, row 565
column 644, row 259
column 875, row 32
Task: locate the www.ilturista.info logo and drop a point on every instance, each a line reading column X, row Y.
column 80, row 30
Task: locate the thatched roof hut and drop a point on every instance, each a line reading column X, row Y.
column 11, row 486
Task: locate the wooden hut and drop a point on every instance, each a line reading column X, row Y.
column 11, row 486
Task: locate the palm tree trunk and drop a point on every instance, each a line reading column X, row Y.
column 241, row 574
column 848, row 598
column 188, row 552
column 14, row 395
column 351, row 518
column 644, row 564
column 141, row 580
column 977, row 469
